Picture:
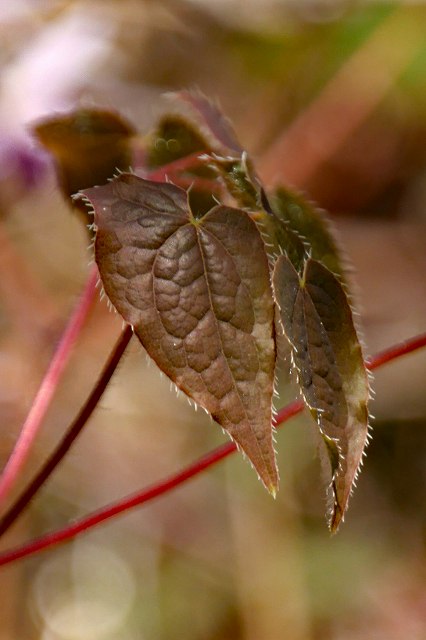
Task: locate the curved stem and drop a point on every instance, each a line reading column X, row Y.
column 191, row 161
column 396, row 351
column 148, row 494
column 170, row 483
column 47, row 389
column 70, row 435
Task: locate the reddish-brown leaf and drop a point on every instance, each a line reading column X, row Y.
column 88, row 146
column 317, row 320
column 198, row 294
column 213, row 123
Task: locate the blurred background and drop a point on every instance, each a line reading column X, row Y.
column 330, row 97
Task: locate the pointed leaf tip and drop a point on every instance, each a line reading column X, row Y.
column 317, row 320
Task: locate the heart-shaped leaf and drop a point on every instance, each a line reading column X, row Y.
column 317, row 320
column 198, row 294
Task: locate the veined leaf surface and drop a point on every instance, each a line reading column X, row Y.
column 317, row 320
column 198, row 294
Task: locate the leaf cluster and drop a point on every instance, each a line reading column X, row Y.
column 209, row 269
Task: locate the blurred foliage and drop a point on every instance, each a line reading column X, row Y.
column 217, row 559
column 88, row 146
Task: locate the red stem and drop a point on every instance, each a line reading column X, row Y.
column 70, row 435
column 173, row 481
column 188, row 181
column 396, row 350
column 191, row 161
column 47, row 389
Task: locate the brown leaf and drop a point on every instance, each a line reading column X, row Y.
column 213, row 123
column 317, row 321
column 198, row 294
column 88, row 146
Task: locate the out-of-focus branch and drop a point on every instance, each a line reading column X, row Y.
column 21, row 294
column 213, row 457
column 47, row 389
column 70, row 435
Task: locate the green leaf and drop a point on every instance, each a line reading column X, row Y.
column 311, row 225
column 174, row 138
column 316, row 318
column 198, row 294
column 280, row 238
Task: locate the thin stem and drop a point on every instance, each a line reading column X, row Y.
column 70, row 435
column 191, row 161
column 47, row 389
column 188, row 181
column 396, row 351
column 175, row 171
column 22, row 295
column 148, row 494
column 170, row 483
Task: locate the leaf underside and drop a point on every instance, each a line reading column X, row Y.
column 198, row 294
column 317, row 320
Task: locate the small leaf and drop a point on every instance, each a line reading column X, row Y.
column 240, row 180
column 280, row 238
column 311, row 225
column 228, row 158
column 88, row 146
column 317, row 320
column 174, row 138
column 198, row 294
column 218, row 129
